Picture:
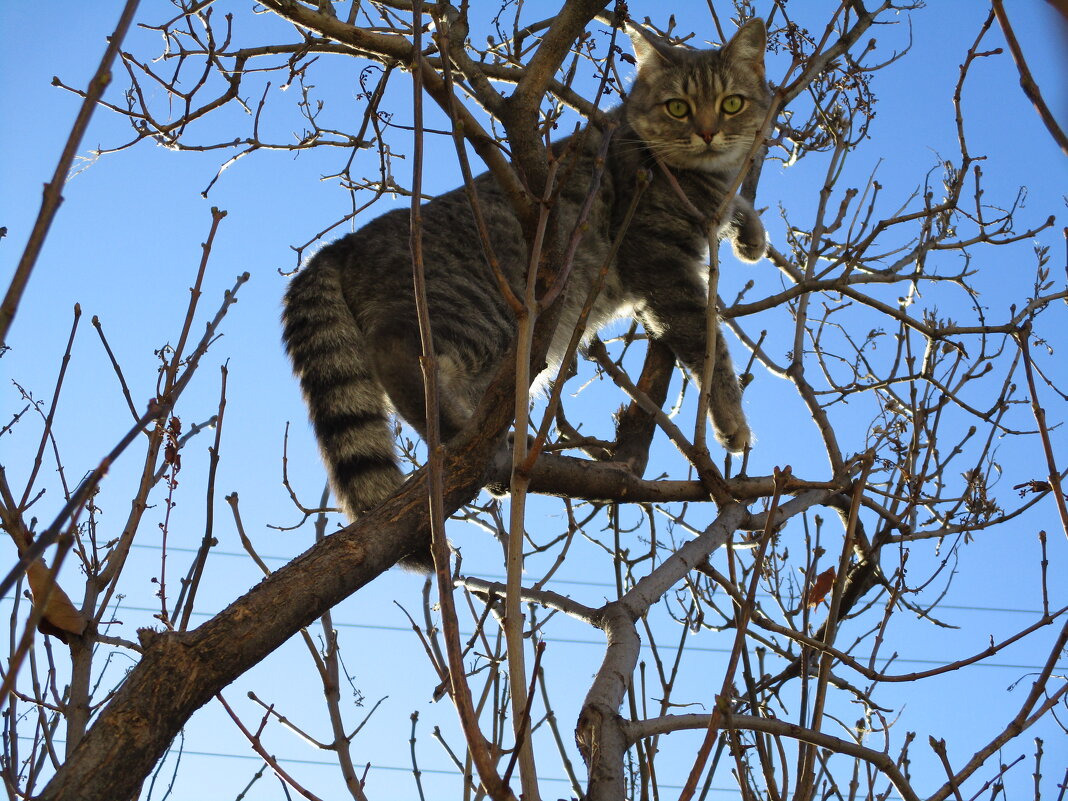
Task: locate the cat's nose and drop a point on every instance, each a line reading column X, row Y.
column 707, row 136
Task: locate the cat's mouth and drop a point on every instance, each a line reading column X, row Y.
column 704, row 156
column 711, row 149
column 688, row 153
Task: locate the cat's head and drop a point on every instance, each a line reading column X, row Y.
column 699, row 109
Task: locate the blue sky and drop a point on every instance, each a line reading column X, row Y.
column 126, row 243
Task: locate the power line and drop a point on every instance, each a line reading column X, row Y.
column 600, row 643
column 597, row 643
column 182, row 752
column 572, row 582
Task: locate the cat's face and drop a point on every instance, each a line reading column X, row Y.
column 700, row 109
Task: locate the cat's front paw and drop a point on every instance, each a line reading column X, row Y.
column 751, row 250
column 734, row 435
column 749, row 240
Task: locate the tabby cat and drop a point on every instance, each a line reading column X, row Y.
column 350, row 323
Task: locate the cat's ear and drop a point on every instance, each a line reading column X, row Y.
column 650, row 50
column 748, row 45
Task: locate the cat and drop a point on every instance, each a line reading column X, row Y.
column 349, row 315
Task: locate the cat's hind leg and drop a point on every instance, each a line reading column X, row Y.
column 397, row 365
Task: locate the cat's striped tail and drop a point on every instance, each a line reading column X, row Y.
column 345, row 402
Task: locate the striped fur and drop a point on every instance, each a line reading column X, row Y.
column 345, row 401
column 349, row 321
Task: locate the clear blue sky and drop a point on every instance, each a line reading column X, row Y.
column 126, row 244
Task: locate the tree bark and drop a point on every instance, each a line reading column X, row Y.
column 179, row 672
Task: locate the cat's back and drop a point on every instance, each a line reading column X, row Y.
column 377, row 258
column 374, row 263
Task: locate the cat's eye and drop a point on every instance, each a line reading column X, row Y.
column 732, row 104
column 677, row 108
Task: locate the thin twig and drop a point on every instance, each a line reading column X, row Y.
column 257, row 746
column 53, row 189
column 1027, row 82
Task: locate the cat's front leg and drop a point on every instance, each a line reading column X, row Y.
column 725, row 402
column 675, row 312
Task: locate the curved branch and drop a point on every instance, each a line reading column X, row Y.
column 637, row 730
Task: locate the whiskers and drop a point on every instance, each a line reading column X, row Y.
column 670, row 150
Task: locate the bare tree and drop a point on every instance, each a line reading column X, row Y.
column 909, row 413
